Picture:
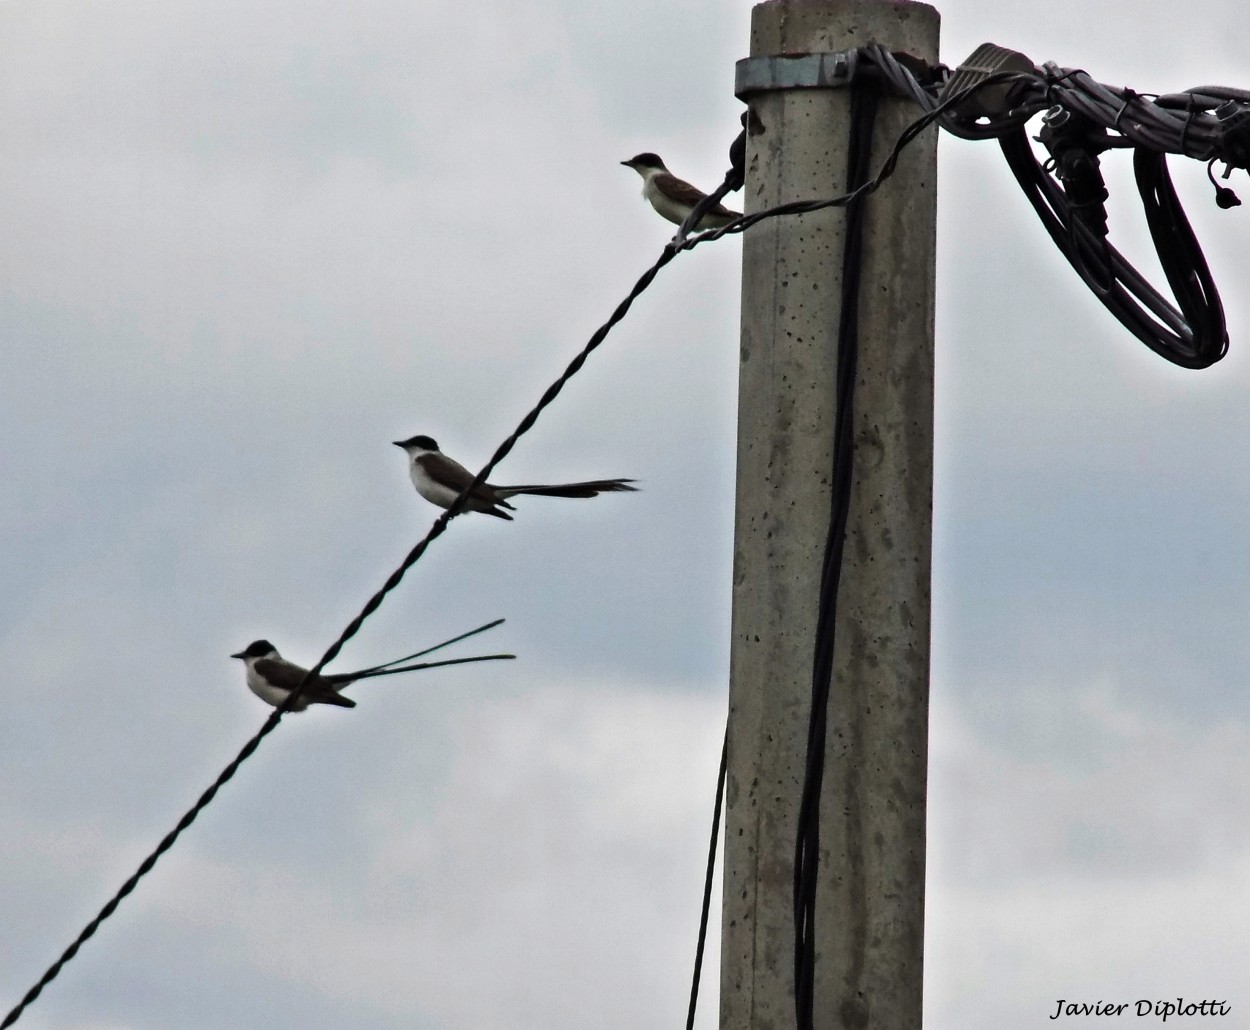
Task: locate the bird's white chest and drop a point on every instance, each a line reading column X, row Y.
column 267, row 692
column 263, row 689
column 428, row 487
column 664, row 205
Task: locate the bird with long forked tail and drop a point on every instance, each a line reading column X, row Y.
column 273, row 679
column 440, row 480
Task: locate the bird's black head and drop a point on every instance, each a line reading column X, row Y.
column 647, row 160
column 256, row 649
column 426, row 443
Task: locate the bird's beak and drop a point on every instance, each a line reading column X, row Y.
column 627, row 164
column 397, row 443
column 239, row 655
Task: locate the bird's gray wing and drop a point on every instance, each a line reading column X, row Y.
column 683, row 193
column 282, row 675
column 287, row 676
column 450, row 473
column 677, row 189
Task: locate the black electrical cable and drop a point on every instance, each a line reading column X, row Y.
column 1084, row 117
column 353, row 627
column 707, row 882
column 1193, row 332
column 864, row 100
column 1182, row 260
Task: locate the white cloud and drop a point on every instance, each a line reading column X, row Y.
column 557, row 871
column 1114, row 869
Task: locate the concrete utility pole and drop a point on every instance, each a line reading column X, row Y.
column 870, row 905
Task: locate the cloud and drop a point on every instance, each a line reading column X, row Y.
column 1080, row 850
column 557, row 871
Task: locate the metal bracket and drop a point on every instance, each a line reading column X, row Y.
column 798, row 71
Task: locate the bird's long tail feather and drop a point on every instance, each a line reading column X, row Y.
column 435, row 665
column 591, row 488
column 429, row 650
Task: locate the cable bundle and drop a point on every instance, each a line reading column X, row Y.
column 1082, row 118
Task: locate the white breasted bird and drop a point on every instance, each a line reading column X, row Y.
column 272, row 678
column 674, row 198
column 440, row 480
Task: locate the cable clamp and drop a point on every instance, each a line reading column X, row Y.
column 1074, row 142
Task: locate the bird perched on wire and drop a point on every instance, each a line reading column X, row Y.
column 440, row 480
column 272, row 678
column 674, row 198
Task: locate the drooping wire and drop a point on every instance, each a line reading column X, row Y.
column 864, row 98
column 1209, row 122
column 1192, row 333
column 707, row 882
column 1084, row 117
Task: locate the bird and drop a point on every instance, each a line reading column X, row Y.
column 674, row 198
column 272, row 678
column 440, row 480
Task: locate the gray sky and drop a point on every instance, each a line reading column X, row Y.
column 247, row 245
